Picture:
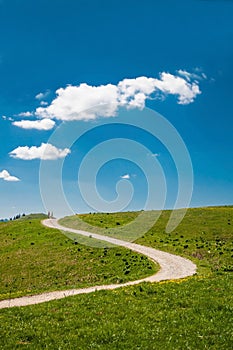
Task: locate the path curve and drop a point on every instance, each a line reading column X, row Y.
column 171, row 267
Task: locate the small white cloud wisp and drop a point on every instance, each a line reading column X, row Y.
column 42, row 95
column 126, row 176
column 25, row 114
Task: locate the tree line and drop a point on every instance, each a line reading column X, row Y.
column 16, row 217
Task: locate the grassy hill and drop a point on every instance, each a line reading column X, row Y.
column 193, row 313
column 204, row 236
column 39, row 216
column 34, row 259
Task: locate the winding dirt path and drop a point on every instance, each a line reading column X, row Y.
column 171, row 267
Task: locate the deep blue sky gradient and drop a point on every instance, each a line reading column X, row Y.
column 45, row 45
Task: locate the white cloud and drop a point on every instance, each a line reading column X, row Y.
column 4, row 174
column 174, row 85
column 188, row 76
column 134, row 92
column 126, row 176
column 44, row 103
column 42, row 95
column 4, row 117
column 39, row 96
column 73, row 102
column 45, row 151
column 25, row 114
column 85, row 102
column 192, row 76
column 43, row 124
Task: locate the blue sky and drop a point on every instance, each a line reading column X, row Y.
column 178, row 58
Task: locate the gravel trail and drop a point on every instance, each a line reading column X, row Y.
column 171, row 267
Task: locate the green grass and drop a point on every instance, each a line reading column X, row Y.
column 126, row 226
column 193, row 313
column 105, row 220
column 204, row 235
column 34, row 259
